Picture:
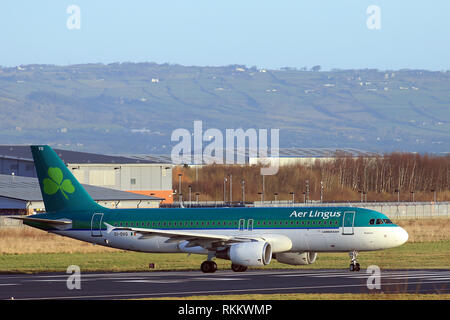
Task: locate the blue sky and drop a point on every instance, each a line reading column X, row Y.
column 269, row 34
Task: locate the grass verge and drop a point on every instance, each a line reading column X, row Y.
column 315, row 296
column 409, row 256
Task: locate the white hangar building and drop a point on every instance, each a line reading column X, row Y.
column 151, row 177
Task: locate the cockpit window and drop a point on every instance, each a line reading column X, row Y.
column 387, row 221
column 372, row 221
column 379, row 221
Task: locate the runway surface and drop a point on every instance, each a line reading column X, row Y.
column 191, row 283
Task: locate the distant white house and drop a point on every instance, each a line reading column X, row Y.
column 155, row 80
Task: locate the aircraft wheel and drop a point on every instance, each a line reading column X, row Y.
column 238, row 268
column 208, row 266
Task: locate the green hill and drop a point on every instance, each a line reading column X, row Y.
column 134, row 107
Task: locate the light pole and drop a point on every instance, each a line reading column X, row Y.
column 190, row 192
column 307, row 190
column 243, row 191
column 196, row 197
column 412, row 195
column 260, row 193
column 231, row 188
column 276, row 196
column 293, row 195
column 398, row 194
column 179, row 187
column 224, row 190
column 434, row 190
column 262, row 197
column 321, row 191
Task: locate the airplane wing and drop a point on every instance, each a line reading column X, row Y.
column 208, row 241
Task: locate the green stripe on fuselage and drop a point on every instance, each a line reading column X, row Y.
column 224, row 218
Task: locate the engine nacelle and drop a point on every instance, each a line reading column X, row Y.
column 258, row 253
column 297, row 258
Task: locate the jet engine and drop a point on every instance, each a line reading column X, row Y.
column 257, row 253
column 296, row 258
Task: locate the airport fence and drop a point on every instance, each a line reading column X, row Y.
column 394, row 210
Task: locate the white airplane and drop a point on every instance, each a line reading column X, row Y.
column 245, row 236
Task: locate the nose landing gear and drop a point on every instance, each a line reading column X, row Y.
column 354, row 265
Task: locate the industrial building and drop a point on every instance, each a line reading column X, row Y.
column 22, row 196
column 150, row 177
column 309, row 156
column 284, row 156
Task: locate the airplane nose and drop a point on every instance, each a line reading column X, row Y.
column 402, row 235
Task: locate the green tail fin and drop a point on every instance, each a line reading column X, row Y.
column 60, row 190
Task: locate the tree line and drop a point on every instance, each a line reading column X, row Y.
column 389, row 177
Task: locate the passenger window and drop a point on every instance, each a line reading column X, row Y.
column 372, row 221
column 379, row 221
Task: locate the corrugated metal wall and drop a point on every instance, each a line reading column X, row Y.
column 125, row 177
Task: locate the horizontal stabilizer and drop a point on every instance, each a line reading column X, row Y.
column 59, row 224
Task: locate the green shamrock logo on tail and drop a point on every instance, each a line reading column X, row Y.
column 57, row 183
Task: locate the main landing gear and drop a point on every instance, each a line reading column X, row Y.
column 238, row 268
column 208, row 266
column 354, row 265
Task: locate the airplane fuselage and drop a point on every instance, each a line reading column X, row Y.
column 313, row 229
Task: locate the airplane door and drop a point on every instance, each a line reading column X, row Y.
column 96, row 225
column 241, row 224
column 250, row 225
column 349, row 220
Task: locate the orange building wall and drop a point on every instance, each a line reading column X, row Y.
column 166, row 194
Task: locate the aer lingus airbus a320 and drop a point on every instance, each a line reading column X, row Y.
column 246, row 236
